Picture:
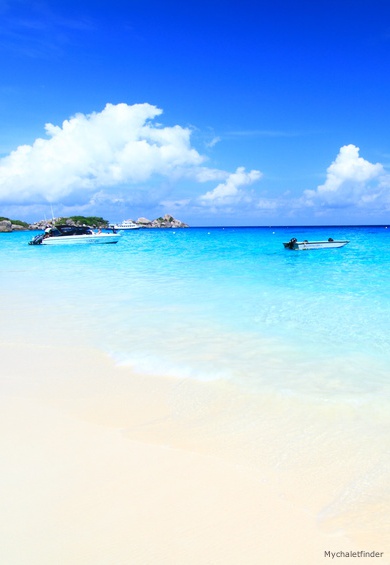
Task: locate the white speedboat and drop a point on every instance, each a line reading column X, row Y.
column 125, row 225
column 301, row 245
column 71, row 235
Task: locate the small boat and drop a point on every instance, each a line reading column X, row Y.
column 300, row 245
column 72, row 235
column 125, row 225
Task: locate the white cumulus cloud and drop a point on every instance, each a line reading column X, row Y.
column 228, row 192
column 350, row 181
column 117, row 146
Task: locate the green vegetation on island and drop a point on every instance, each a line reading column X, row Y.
column 166, row 218
column 91, row 221
column 14, row 222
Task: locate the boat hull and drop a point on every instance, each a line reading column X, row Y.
column 305, row 245
column 84, row 239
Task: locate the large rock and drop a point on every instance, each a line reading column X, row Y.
column 168, row 221
column 144, row 222
column 5, row 226
column 41, row 225
column 179, row 224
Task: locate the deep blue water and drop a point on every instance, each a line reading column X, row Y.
column 226, row 303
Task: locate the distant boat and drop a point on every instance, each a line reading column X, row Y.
column 125, row 225
column 73, row 235
column 301, row 245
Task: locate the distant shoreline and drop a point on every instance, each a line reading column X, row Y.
column 325, row 226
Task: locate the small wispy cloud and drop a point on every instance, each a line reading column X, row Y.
column 213, row 142
column 175, row 204
column 261, row 133
column 229, row 192
column 39, row 32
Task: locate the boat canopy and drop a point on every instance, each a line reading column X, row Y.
column 69, row 230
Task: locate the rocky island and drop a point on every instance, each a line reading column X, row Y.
column 7, row 225
column 166, row 221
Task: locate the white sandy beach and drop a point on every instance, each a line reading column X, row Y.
column 102, row 466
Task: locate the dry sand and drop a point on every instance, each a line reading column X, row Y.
column 100, row 466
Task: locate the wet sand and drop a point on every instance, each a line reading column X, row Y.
column 103, row 466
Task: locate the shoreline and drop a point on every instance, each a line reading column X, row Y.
column 103, row 465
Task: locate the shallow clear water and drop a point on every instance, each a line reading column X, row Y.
column 303, row 337
column 228, row 303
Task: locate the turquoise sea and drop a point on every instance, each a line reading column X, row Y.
column 301, row 339
column 218, row 303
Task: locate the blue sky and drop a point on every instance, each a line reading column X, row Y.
column 220, row 113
